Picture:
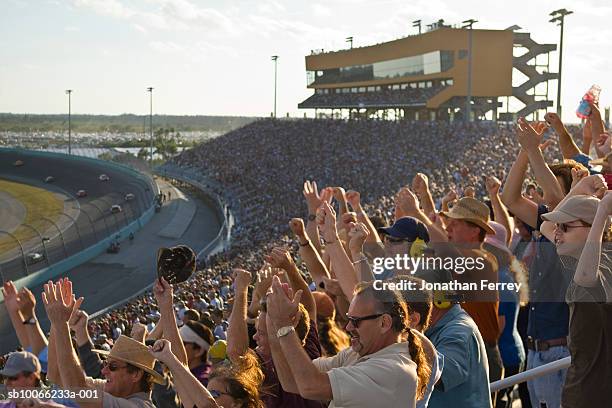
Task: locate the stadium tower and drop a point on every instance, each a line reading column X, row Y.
column 425, row 77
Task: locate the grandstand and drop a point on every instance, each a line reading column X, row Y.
column 426, row 76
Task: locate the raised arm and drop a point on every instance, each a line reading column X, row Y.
column 566, row 142
column 354, row 199
column 512, row 195
column 164, row 295
column 37, row 339
column 281, row 258
column 90, row 361
column 308, row 253
column 59, row 304
column 282, row 307
column 529, row 139
column 12, row 302
column 597, row 125
column 237, row 333
column 588, row 266
column 189, row 389
column 313, row 201
column 500, row 212
column 420, row 186
column 340, row 261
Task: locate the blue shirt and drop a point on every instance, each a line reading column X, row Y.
column 465, row 378
column 510, row 343
column 548, row 312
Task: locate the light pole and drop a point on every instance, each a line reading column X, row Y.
column 468, row 100
column 350, row 41
column 150, row 90
column 559, row 16
column 69, row 92
column 275, row 59
column 417, row 23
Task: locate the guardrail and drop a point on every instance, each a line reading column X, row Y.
column 531, row 374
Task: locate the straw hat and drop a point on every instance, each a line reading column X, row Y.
column 135, row 353
column 472, row 210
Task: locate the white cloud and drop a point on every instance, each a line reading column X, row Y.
column 320, row 10
column 112, row 8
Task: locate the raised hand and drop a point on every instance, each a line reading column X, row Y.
column 12, row 300
column 280, row 258
column 297, row 227
column 78, row 320
column 450, row 197
column 406, row 201
column 339, row 194
column 281, row 304
column 347, row 219
column 58, row 307
column 420, row 184
column 594, row 185
column 327, row 194
column 326, row 219
column 139, row 332
column 242, row 279
column 311, row 194
column 469, row 191
column 578, row 175
column 606, row 203
column 162, row 351
column 493, row 185
column 603, row 146
column 528, row 137
column 27, row 303
column 163, row 293
column 354, row 199
column 357, row 236
column 553, row 120
column 264, row 280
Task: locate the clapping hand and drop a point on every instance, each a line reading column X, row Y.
column 59, row 301
column 282, row 304
column 326, row 219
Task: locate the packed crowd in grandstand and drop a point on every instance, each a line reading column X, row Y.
column 293, row 314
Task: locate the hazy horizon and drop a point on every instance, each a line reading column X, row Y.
column 213, row 58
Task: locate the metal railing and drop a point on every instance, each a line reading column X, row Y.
column 531, row 374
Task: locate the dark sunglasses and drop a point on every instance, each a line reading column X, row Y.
column 14, row 378
column 112, row 366
column 564, row 227
column 393, row 240
column 217, row 394
column 355, row 321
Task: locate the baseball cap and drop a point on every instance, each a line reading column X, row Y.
column 19, row 362
column 579, row 207
column 408, row 228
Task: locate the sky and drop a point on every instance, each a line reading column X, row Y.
column 214, row 57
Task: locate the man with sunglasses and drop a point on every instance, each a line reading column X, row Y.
column 378, row 369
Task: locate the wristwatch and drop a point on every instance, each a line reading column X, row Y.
column 283, row 331
column 31, row 320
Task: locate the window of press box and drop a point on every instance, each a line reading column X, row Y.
column 424, row 64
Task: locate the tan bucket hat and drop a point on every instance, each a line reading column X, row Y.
column 135, row 353
column 472, row 210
